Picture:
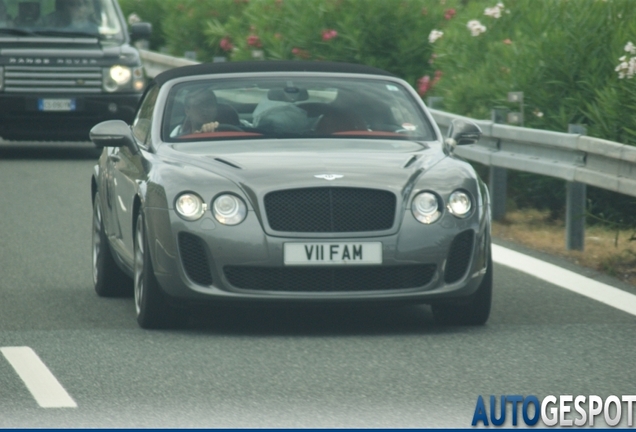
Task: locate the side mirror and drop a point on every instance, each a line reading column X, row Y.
column 140, row 30
column 462, row 132
column 113, row 133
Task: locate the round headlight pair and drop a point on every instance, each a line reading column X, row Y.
column 426, row 206
column 227, row 208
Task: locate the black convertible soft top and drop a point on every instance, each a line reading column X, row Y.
column 267, row 66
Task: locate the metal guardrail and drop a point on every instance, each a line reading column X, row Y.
column 571, row 157
column 155, row 63
column 578, row 159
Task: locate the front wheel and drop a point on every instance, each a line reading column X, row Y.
column 108, row 279
column 151, row 305
column 473, row 311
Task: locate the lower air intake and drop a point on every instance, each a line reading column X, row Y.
column 328, row 279
column 195, row 259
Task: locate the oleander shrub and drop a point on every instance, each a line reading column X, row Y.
column 391, row 35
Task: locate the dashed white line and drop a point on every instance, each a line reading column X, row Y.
column 567, row 279
column 44, row 387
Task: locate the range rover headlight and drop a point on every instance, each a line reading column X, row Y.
column 117, row 78
column 229, row 209
column 426, row 208
column 190, row 206
column 460, row 204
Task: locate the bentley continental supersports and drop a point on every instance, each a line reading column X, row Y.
column 288, row 182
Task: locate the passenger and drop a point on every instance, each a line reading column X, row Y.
column 201, row 111
column 73, row 14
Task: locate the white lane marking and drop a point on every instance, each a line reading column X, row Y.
column 567, row 279
column 44, row 387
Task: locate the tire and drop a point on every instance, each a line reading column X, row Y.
column 473, row 311
column 108, row 279
column 151, row 306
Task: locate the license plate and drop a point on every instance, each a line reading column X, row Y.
column 332, row 253
column 56, row 104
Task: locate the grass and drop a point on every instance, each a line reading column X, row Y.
column 606, row 250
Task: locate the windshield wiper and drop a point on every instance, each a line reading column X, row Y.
column 15, row 31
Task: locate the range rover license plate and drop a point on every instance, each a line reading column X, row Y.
column 332, row 253
column 56, row 104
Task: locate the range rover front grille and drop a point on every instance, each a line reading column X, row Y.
column 330, row 209
column 52, row 79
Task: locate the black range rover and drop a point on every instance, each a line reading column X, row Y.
column 66, row 65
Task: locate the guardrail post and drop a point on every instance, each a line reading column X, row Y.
column 498, row 178
column 575, row 206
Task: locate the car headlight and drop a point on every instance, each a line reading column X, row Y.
column 459, row 204
column 425, row 207
column 117, row 77
column 190, row 206
column 229, row 209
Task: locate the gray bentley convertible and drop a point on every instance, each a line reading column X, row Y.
column 288, row 182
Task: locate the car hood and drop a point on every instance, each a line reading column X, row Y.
column 261, row 166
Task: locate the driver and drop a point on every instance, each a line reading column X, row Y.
column 73, row 14
column 201, row 111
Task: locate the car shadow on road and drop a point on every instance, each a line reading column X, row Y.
column 316, row 321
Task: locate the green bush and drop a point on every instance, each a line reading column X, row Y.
column 151, row 11
column 391, row 35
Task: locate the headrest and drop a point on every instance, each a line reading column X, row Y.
column 288, row 94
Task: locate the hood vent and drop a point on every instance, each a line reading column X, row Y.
column 226, row 162
column 411, row 161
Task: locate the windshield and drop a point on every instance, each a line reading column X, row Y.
column 73, row 18
column 293, row 107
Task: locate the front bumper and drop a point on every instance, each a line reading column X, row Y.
column 22, row 119
column 204, row 272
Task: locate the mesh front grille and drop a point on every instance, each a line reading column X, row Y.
column 52, row 79
column 330, row 210
column 459, row 256
column 328, row 279
column 195, row 259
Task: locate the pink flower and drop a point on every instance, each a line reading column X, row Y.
column 226, row 44
column 423, row 85
column 450, row 13
column 329, row 34
column 253, row 40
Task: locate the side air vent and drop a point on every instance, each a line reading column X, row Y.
column 195, row 259
column 459, row 256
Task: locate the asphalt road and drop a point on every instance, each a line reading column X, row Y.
column 267, row 368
